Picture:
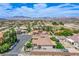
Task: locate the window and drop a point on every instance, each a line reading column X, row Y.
column 35, row 44
column 35, row 38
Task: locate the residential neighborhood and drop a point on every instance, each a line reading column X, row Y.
column 38, row 37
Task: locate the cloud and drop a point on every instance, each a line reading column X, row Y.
column 40, row 6
column 39, row 10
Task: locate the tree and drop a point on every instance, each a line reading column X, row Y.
column 61, row 23
column 48, row 28
column 54, row 23
column 4, row 47
column 66, row 33
column 62, row 28
column 6, row 34
column 29, row 29
column 13, row 37
column 9, row 39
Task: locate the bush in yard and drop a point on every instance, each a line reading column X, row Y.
column 59, row 45
column 53, row 38
column 29, row 45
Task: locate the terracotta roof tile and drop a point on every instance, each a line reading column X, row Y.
column 42, row 39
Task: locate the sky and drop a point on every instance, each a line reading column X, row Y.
column 39, row 9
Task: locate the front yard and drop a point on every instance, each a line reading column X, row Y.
column 28, row 46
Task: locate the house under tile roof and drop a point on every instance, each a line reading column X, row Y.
column 42, row 39
column 1, row 37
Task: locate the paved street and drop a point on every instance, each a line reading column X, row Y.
column 17, row 49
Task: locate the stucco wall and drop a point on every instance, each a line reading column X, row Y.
column 47, row 47
column 44, row 47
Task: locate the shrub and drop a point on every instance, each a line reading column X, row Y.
column 48, row 28
column 54, row 23
column 59, row 45
column 53, row 38
column 29, row 45
column 66, row 33
column 76, row 31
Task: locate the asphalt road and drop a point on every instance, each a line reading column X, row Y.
column 23, row 38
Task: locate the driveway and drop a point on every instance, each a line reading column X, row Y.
column 17, row 49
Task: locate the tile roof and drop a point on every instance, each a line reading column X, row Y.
column 42, row 39
column 1, row 34
column 1, row 37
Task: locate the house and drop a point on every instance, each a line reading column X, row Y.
column 74, row 40
column 41, row 40
column 18, row 30
column 1, row 37
column 21, row 29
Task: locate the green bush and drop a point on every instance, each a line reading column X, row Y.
column 76, row 31
column 53, row 38
column 66, row 33
column 59, row 45
column 48, row 28
column 29, row 45
column 61, row 23
column 5, row 47
column 54, row 23
column 29, row 29
column 66, row 29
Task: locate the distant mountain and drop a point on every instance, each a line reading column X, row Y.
column 27, row 18
column 39, row 18
column 3, row 19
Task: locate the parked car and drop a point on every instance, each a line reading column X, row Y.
column 14, row 45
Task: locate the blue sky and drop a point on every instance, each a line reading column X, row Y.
column 39, row 9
